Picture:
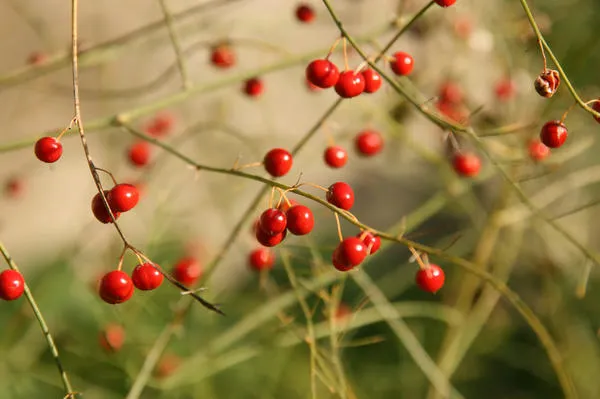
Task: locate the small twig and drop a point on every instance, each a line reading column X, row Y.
column 169, row 21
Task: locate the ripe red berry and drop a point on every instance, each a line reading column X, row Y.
column 146, row 277
column 112, row 337
column 222, row 56
column 554, row 134
column 341, row 195
column 335, row 156
column 349, row 253
column 368, row 142
column 253, row 87
column 139, row 153
column 48, row 149
column 305, row 13
column 12, row 285
column 322, row 73
column 100, row 211
column 505, row 89
column 116, row 287
column 371, row 241
column 123, row 197
column 596, row 107
column 430, row 279
column 160, row 125
column 350, row 84
column 167, row 365
column 300, row 220
column 538, row 150
column 187, row 271
column 269, row 240
column 14, row 187
column 261, row 259
column 445, row 3
column 372, row 80
column 467, row 164
column 455, row 112
column 451, row 93
column 273, row 221
column 278, row 162
column 402, row 64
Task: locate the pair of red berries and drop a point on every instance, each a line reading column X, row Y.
column 367, row 143
column 274, row 223
column 48, row 149
column 117, row 287
column 121, row 198
column 324, row 74
column 352, row 251
column 12, row 285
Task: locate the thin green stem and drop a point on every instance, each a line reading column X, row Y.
column 170, row 22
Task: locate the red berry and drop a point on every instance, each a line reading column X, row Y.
column 14, row 187
column 430, row 279
column 371, row 241
column 160, row 125
column 187, row 271
column 554, row 134
column 269, row 240
column 278, row 162
column 305, row 13
column 402, row 64
column 350, row 84
column 349, row 253
column 100, row 211
column 273, row 221
column 116, row 287
column 341, row 195
column 139, row 153
column 455, row 112
column 322, row 73
column 146, row 277
column 538, row 150
column 167, row 365
column 505, row 89
column 123, row 197
column 445, row 3
column 112, row 337
column 222, row 56
column 368, row 142
column 12, row 285
column 261, row 259
column 48, row 149
column 451, row 93
column 467, row 164
column 335, row 156
column 253, row 87
column 596, row 107
column 300, row 220
column 372, row 80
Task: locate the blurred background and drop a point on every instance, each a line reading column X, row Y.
column 362, row 325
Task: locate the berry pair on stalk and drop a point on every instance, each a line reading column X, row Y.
column 352, row 251
column 121, row 198
column 367, row 144
column 324, row 74
column 274, row 224
column 117, row 287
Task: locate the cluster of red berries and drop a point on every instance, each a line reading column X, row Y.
column 12, row 285
column 121, row 198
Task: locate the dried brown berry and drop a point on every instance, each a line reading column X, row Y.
column 547, row 83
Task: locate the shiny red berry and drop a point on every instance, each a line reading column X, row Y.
column 300, row 220
column 116, row 287
column 445, row 3
column 99, row 209
column 466, row 164
column 371, row 241
column 335, row 157
column 372, row 80
column 349, row 253
column 12, row 285
column 402, row 64
column 253, row 87
column 350, row 84
column 341, row 195
column 278, row 162
column 146, row 277
column 538, row 150
column 112, row 337
column 269, row 240
column 187, row 271
column 596, row 107
column 451, row 93
column 123, row 197
column 273, row 221
column 554, row 134
column 222, row 56
column 430, row 279
column 322, row 73
column 139, row 153
column 48, row 149
column 368, row 142
column 305, row 13
column 261, row 259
